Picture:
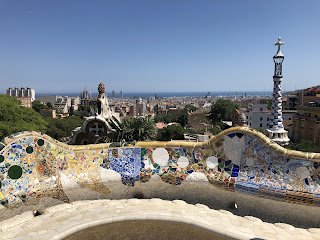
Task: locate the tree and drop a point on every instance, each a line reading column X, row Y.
column 132, row 129
column 267, row 102
column 221, row 110
column 304, row 146
column 14, row 118
column 71, row 111
column 173, row 131
column 181, row 118
column 215, row 129
column 37, row 106
column 189, row 108
column 83, row 111
column 49, row 105
column 60, row 128
column 166, row 118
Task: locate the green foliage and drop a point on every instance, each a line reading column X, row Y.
column 260, row 130
column 284, row 106
column 221, row 110
column 268, row 102
column 14, row 118
column 181, row 118
column 304, row 146
column 83, row 111
column 60, row 128
column 189, row 108
column 196, row 131
column 166, row 118
column 37, row 106
column 218, row 127
column 215, row 129
column 49, row 105
column 174, row 131
column 132, row 129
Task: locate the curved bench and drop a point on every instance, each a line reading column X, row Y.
column 244, row 162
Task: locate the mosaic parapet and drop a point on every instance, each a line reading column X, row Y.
column 33, row 165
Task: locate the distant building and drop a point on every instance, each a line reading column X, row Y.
column 86, row 99
column 49, row 113
column 174, row 110
column 132, row 111
column 235, row 117
column 26, row 96
column 48, row 98
column 84, row 94
column 246, row 103
column 306, row 123
column 258, row 117
column 61, row 107
column 292, row 101
column 113, row 94
column 141, row 108
column 196, row 137
column 121, row 94
column 310, row 95
column 75, row 102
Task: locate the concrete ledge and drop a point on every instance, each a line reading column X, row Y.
column 223, row 224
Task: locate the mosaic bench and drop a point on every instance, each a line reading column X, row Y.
column 33, row 165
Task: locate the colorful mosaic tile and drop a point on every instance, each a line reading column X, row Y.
column 34, row 166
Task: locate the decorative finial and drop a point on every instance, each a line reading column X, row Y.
column 279, row 43
column 101, row 88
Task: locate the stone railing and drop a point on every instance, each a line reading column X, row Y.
column 33, row 166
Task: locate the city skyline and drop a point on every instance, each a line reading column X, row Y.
column 142, row 46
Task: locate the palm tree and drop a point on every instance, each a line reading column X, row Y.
column 132, row 129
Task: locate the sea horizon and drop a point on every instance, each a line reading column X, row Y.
column 166, row 94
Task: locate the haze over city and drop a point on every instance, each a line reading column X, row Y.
column 148, row 46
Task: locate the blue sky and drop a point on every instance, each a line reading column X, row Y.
column 157, row 46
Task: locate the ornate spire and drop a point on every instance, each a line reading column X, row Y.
column 279, row 43
column 276, row 130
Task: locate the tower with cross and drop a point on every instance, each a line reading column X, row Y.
column 276, row 131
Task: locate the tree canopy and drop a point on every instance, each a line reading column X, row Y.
column 181, row 118
column 60, row 128
column 83, row 111
column 267, row 102
column 132, row 129
column 37, row 106
column 14, row 118
column 221, row 110
column 304, row 146
column 173, row 131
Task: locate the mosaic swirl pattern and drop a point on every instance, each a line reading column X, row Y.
column 32, row 165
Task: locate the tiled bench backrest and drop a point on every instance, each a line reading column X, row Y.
column 33, row 165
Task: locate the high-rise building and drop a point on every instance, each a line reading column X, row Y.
column 276, row 130
column 26, row 96
column 113, row 94
column 85, row 94
column 121, row 94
